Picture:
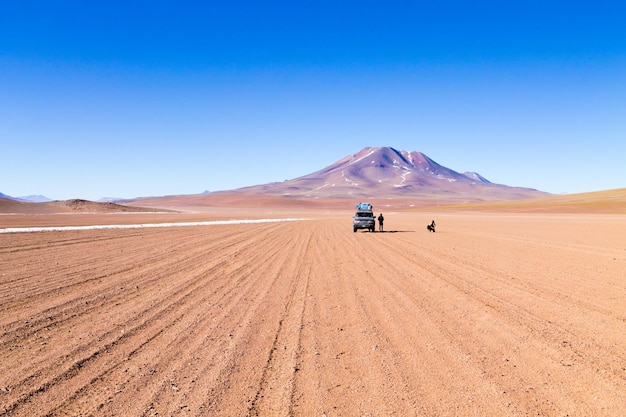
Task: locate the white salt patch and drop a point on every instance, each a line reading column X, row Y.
column 140, row 226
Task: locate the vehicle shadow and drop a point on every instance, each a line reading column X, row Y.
column 394, row 231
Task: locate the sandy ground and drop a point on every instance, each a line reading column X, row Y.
column 493, row 315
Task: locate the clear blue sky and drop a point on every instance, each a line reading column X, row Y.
column 127, row 99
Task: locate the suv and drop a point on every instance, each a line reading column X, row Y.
column 364, row 217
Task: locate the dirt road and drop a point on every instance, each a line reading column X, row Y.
column 493, row 315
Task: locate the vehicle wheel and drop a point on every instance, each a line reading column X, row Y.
column 355, row 230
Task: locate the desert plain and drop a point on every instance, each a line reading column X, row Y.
column 498, row 313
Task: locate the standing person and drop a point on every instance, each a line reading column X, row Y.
column 381, row 219
column 431, row 226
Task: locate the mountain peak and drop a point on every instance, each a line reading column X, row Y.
column 385, row 172
column 396, row 168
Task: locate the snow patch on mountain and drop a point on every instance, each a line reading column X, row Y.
column 476, row 177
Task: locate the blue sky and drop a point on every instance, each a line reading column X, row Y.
column 127, row 99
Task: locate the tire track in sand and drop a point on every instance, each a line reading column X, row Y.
column 277, row 385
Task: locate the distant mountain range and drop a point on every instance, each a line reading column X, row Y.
column 385, row 172
column 28, row 198
column 381, row 172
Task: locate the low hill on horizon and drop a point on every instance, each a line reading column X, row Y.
column 67, row 206
column 605, row 201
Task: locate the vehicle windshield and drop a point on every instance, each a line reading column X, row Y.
column 364, row 214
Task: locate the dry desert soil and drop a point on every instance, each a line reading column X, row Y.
column 495, row 314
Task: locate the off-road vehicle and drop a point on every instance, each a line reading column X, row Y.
column 364, row 217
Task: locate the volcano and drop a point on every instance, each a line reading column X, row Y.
column 384, row 172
